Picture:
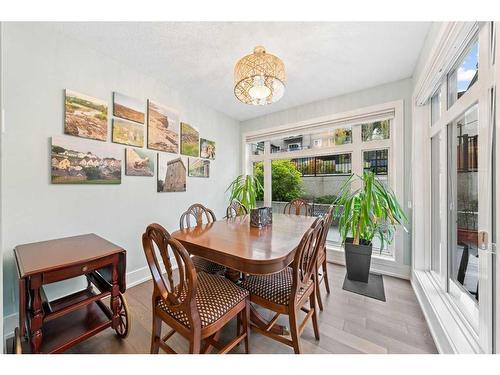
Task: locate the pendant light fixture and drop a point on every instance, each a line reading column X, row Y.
column 259, row 78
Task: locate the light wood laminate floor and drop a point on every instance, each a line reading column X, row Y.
column 350, row 323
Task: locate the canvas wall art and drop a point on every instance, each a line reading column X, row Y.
column 198, row 168
column 207, row 149
column 171, row 174
column 128, row 133
column 77, row 161
column 128, row 108
column 190, row 140
column 163, row 128
column 139, row 162
column 85, row 116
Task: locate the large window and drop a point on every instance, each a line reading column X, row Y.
column 453, row 188
column 315, row 165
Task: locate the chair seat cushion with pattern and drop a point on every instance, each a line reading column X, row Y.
column 204, row 265
column 275, row 288
column 215, row 296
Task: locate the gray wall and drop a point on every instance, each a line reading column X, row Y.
column 376, row 95
column 39, row 65
column 323, row 185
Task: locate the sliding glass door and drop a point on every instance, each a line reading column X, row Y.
column 462, row 207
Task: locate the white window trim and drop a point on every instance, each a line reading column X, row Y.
column 393, row 266
column 449, row 327
column 452, row 39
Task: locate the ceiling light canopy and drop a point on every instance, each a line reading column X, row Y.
column 259, row 78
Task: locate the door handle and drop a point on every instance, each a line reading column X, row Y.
column 482, row 241
column 482, row 244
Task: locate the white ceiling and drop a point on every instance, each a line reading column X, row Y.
column 321, row 59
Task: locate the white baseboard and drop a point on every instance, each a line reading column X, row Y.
column 138, row 276
column 380, row 265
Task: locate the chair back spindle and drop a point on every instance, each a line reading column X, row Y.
column 328, row 218
column 199, row 213
column 298, row 206
column 305, row 259
column 236, row 208
column 177, row 296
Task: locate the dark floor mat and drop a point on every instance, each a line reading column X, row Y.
column 374, row 288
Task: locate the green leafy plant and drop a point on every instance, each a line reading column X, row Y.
column 286, row 180
column 368, row 211
column 325, row 199
column 245, row 189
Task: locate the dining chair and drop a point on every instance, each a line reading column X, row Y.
column 287, row 291
column 198, row 306
column 236, row 208
column 298, row 206
column 323, row 276
column 201, row 215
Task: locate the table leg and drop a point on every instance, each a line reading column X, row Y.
column 232, row 275
column 115, row 291
column 36, row 336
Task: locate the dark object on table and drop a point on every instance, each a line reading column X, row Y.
column 374, row 288
column 55, row 326
column 270, row 215
column 260, row 217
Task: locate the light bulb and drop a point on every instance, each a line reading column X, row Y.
column 259, row 90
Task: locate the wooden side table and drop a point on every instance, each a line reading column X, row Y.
column 55, row 326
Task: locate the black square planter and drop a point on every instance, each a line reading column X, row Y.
column 358, row 259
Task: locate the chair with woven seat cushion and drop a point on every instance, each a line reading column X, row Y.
column 196, row 215
column 298, row 206
column 198, row 306
column 236, row 208
column 323, row 276
column 287, row 291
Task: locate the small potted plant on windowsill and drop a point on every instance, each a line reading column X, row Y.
column 369, row 211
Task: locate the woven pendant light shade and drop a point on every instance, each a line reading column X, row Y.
column 259, row 78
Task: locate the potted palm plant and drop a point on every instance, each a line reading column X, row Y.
column 245, row 189
column 369, row 211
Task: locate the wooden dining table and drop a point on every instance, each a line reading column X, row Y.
column 238, row 246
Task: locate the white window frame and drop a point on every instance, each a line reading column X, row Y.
column 449, row 325
column 393, row 265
